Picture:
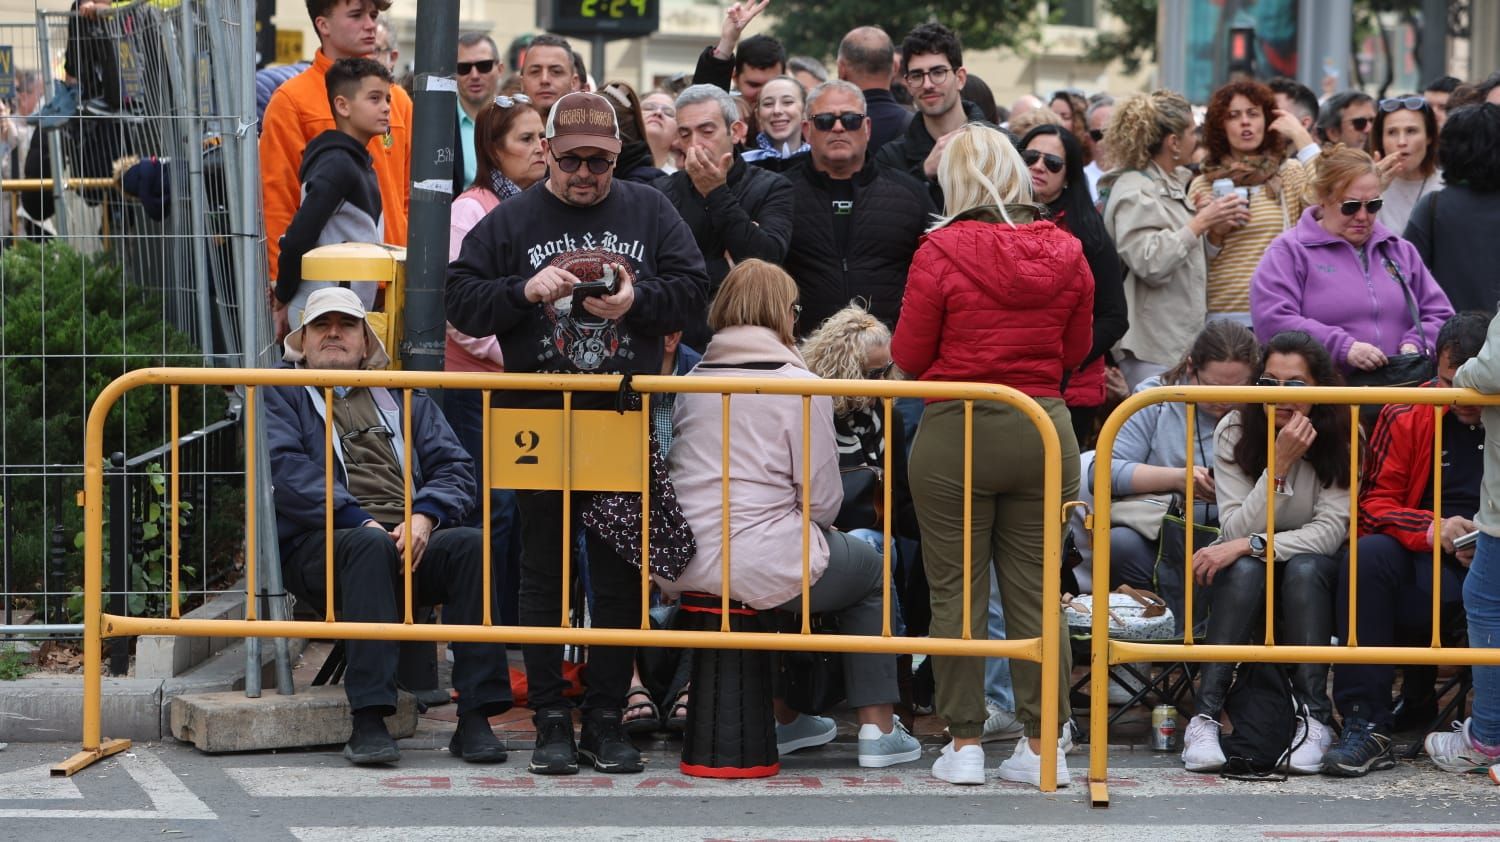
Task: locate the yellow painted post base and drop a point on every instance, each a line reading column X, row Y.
column 84, row 759
column 1098, row 794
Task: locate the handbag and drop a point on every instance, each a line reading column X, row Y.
column 814, row 680
column 1400, row 369
column 1142, row 513
column 864, row 498
column 1133, row 614
column 1167, row 575
column 615, row 518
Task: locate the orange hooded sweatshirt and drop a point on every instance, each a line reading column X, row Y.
column 299, row 112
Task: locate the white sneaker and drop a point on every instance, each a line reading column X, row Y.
column 1025, row 766
column 964, row 766
column 1307, row 758
column 1454, row 751
column 805, row 732
column 1200, row 745
column 878, row 749
column 1000, row 724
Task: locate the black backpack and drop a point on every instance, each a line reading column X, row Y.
column 1265, row 715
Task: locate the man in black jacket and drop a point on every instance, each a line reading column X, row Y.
column 868, row 59
column 932, row 65
column 857, row 225
column 735, row 211
column 516, row 279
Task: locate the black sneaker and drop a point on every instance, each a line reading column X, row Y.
column 555, row 752
column 370, row 744
column 1362, row 749
column 606, row 745
column 474, row 742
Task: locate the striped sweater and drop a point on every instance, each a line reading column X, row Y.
column 1229, row 271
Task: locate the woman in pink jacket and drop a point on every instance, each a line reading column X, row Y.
column 753, row 316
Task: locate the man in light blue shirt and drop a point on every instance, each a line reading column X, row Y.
column 479, row 71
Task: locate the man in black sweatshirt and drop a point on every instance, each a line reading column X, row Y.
column 515, row 278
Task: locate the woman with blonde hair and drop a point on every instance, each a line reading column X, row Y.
column 994, row 296
column 753, row 316
column 1158, row 232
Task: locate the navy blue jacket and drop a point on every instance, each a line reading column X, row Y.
column 442, row 477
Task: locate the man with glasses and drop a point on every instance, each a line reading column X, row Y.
column 1101, row 108
column 856, row 224
column 478, row 81
column 1347, row 118
column 736, row 211
column 371, row 534
column 582, row 275
column 932, row 66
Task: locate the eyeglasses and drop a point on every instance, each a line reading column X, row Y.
column 850, row 120
column 1271, row 381
column 482, row 66
column 665, row 110
column 1352, row 207
column 504, row 101
column 349, row 438
column 938, row 75
column 1053, row 163
column 880, row 373
column 1096, row 134
column 1359, row 124
column 598, row 165
column 1410, row 103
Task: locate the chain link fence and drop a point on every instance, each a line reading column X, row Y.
column 124, row 243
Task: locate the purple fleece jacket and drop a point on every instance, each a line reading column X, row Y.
column 1312, row 280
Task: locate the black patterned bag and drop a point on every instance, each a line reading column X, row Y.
column 615, row 518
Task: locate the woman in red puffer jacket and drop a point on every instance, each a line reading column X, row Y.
column 993, row 296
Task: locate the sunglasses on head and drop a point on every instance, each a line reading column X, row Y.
column 1352, row 207
column 1410, row 103
column 598, row 165
column 482, row 66
column 1271, row 381
column 1359, row 124
column 1096, row 134
column 849, row 119
column 504, row 101
column 1051, row 162
column 880, row 373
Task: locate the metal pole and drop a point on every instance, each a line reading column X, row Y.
column 596, row 59
column 434, row 103
column 1432, row 52
column 188, row 139
column 54, row 136
column 1172, row 40
column 119, row 565
column 1324, row 38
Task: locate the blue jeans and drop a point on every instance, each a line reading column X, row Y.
column 997, row 686
column 872, row 537
column 1482, row 602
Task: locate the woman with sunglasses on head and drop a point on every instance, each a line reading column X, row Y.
column 1054, row 158
column 778, row 112
column 1344, row 278
column 1310, row 479
column 1454, row 229
column 1157, row 231
column 1247, row 158
column 1406, row 153
column 659, row 110
column 995, row 295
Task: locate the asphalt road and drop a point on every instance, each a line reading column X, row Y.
column 172, row 791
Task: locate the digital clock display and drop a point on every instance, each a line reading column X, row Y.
column 586, row 18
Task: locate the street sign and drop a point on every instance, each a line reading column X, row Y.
column 599, row 18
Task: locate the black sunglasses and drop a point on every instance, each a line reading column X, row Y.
column 1096, row 134
column 482, row 66
column 1410, row 103
column 880, row 373
column 598, row 165
column 1052, row 162
column 1359, row 124
column 1271, row 381
column 1352, row 207
column 851, row 120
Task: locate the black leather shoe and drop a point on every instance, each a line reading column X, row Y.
column 555, row 752
column 606, row 745
column 370, row 744
column 474, row 742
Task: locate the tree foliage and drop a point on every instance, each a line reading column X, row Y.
column 815, row 27
column 1133, row 44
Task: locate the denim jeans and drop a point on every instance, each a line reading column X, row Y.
column 997, row 686
column 1482, row 602
column 872, row 537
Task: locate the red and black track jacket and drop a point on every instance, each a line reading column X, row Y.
column 1397, row 471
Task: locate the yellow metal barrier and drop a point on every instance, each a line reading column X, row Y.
column 1106, row 653
column 557, row 450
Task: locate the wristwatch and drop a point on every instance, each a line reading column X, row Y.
column 1258, row 545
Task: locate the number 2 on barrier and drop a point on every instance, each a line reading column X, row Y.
column 526, row 450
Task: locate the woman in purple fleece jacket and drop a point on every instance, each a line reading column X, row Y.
column 1338, row 274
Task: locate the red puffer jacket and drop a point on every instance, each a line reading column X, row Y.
column 993, row 303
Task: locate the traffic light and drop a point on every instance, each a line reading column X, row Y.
column 1241, row 52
